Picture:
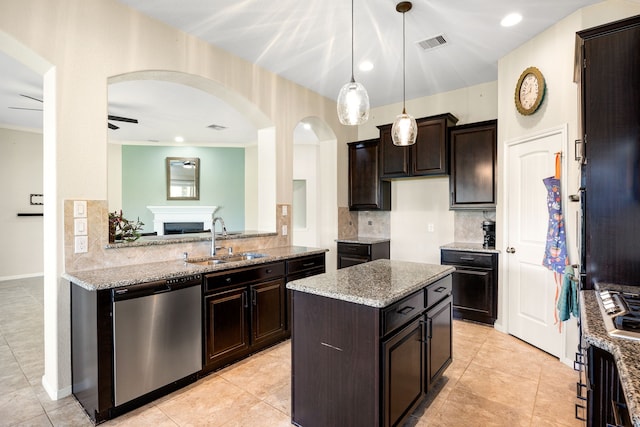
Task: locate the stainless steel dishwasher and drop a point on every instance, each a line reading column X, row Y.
column 157, row 335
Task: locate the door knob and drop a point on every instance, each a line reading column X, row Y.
column 511, row 250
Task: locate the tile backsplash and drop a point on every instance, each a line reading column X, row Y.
column 98, row 256
column 468, row 225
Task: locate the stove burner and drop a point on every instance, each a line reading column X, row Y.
column 621, row 313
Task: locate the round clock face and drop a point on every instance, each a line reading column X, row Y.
column 529, row 91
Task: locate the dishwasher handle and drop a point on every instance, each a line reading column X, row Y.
column 155, row 287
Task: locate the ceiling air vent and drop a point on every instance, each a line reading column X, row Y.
column 216, row 127
column 433, row 42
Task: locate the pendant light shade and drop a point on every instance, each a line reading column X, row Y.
column 353, row 99
column 404, row 130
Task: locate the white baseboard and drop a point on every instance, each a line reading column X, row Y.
column 55, row 394
column 20, row 276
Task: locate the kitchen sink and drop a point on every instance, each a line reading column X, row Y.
column 245, row 256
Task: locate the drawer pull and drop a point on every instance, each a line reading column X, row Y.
column 406, row 310
column 309, row 264
column 269, row 270
column 467, row 258
column 227, row 279
column 440, row 289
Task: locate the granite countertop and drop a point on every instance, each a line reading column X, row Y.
column 626, row 352
column 169, row 239
column 468, row 246
column 364, row 240
column 376, row 284
column 106, row 278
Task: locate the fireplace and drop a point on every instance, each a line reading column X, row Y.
column 183, row 227
column 201, row 216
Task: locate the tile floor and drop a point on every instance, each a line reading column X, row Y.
column 495, row 380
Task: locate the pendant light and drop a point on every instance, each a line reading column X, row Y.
column 353, row 99
column 404, row 130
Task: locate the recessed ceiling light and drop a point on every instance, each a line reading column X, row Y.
column 511, row 19
column 365, row 66
column 178, row 139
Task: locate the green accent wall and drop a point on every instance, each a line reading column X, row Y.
column 221, row 181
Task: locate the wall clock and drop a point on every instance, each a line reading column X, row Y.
column 529, row 91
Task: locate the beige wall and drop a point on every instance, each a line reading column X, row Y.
column 553, row 53
column 80, row 44
column 416, row 203
column 20, row 175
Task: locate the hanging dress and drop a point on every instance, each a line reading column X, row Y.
column 555, row 253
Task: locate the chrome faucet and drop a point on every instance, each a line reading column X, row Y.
column 213, row 233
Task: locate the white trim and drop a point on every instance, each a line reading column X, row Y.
column 52, row 392
column 162, row 214
column 20, row 276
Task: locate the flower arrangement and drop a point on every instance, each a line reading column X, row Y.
column 121, row 228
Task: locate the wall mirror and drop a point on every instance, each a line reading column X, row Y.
column 183, row 178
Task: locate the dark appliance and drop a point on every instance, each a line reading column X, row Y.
column 489, row 228
column 621, row 313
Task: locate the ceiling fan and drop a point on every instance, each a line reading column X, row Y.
column 119, row 119
column 24, row 108
column 109, row 117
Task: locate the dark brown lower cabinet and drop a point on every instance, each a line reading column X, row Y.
column 404, row 355
column 606, row 404
column 351, row 253
column 226, row 325
column 244, row 311
column 475, row 284
column 355, row 365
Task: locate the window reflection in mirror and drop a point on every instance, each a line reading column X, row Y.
column 183, row 178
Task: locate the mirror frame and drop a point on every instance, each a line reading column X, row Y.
column 197, row 177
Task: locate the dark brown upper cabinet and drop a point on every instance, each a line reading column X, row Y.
column 472, row 182
column 367, row 192
column 428, row 156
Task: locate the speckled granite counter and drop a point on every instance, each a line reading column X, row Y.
column 376, row 284
column 107, row 278
column 466, row 246
column 170, row 239
column 364, row 240
column 625, row 352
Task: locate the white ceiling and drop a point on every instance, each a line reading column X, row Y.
column 309, row 42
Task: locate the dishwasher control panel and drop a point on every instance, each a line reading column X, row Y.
column 158, row 286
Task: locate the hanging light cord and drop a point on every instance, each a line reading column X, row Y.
column 352, row 38
column 404, row 71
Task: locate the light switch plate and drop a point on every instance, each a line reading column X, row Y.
column 81, row 244
column 284, row 210
column 79, row 208
column 284, row 230
column 80, row 226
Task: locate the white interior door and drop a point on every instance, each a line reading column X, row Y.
column 530, row 286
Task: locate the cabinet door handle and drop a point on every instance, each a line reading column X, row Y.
column 429, row 328
column 406, row 310
column 440, row 289
column 244, row 299
column 254, row 297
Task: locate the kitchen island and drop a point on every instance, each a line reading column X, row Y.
column 369, row 342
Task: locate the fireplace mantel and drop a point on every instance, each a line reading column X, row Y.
column 162, row 214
